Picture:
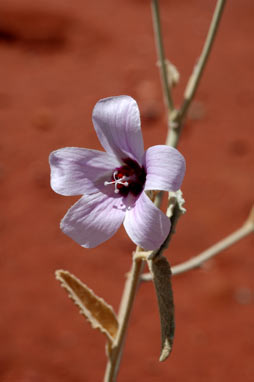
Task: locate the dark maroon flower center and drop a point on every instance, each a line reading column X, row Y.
column 128, row 178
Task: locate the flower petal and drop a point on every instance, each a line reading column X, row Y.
column 146, row 225
column 93, row 219
column 165, row 168
column 76, row 171
column 117, row 124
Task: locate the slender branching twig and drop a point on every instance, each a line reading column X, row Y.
column 177, row 118
column 197, row 261
column 160, row 52
column 128, row 296
column 199, row 67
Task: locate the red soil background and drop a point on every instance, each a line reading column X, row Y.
column 57, row 59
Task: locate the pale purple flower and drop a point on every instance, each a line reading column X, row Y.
column 113, row 183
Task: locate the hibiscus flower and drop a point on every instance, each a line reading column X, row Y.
column 113, row 183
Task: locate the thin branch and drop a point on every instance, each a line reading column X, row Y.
column 177, row 117
column 160, row 52
column 129, row 293
column 197, row 261
column 199, row 67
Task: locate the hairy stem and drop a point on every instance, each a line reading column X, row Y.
column 129, row 293
column 161, row 56
column 199, row 67
column 177, row 118
column 197, row 261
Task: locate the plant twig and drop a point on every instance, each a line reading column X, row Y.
column 199, row 67
column 197, row 261
column 160, row 52
column 177, row 118
column 129, row 293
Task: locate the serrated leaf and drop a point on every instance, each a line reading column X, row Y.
column 100, row 314
column 161, row 272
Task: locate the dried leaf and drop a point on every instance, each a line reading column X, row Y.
column 173, row 74
column 175, row 204
column 100, row 315
column 161, row 272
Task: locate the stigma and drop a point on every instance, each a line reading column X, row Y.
column 118, row 181
column 128, row 178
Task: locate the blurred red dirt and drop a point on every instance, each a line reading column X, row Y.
column 57, row 59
